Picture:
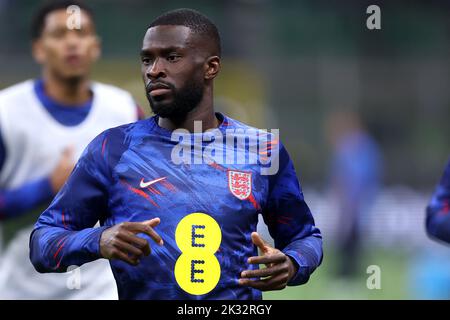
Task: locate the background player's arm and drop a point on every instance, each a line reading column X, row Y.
column 64, row 234
column 290, row 221
column 17, row 201
column 438, row 211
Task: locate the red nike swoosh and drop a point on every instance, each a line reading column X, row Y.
column 146, row 184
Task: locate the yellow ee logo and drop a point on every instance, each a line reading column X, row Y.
column 197, row 270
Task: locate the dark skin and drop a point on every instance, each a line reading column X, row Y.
column 279, row 268
column 121, row 241
column 175, row 55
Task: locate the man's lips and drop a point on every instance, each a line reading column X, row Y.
column 73, row 59
column 156, row 89
column 158, row 92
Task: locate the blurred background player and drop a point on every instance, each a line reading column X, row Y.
column 355, row 181
column 44, row 126
column 429, row 274
column 438, row 211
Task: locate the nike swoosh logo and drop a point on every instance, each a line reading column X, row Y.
column 146, row 184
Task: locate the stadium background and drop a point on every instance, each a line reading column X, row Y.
column 289, row 64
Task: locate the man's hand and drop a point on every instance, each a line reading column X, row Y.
column 279, row 268
column 121, row 241
column 62, row 170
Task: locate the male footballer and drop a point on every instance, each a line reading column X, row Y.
column 177, row 222
column 438, row 210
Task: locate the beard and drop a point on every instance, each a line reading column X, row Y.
column 184, row 100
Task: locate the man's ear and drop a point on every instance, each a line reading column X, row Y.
column 212, row 66
column 38, row 51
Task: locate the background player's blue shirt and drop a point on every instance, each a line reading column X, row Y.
column 438, row 211
column 105, row 184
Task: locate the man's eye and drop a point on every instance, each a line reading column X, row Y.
column 146, row 61
column 83, row 32
column 57, row 34
column 173, row 58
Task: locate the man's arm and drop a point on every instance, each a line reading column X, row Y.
column 291, row 225
column 438, row 210
column 64, row 234
column 14, row 202
column 17, row 201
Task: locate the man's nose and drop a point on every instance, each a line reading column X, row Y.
column 72, row 39
column 156, row 69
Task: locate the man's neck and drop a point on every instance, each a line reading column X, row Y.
column 67, row 92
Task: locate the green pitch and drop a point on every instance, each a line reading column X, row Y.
column 323, row 284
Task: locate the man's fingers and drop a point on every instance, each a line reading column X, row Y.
column 267, row 259
column 124, row 257
column 143, row 227
column 126, row 247
column 153, row 234
column 258, row 241
column 277, row 282
column 265, row 272
column 138, row 242
column 152, row 222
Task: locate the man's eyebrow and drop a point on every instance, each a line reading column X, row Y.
column 162, row 49
column 56, row 28
column 172, row 48
column 144, row 52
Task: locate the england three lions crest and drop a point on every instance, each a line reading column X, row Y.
column 240, row 184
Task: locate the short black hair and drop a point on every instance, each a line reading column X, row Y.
column 38, row 22
column 194, row 20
